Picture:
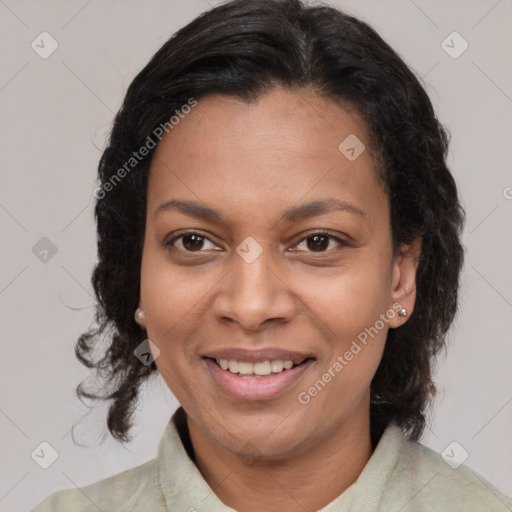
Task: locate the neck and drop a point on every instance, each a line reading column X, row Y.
column 306, row 482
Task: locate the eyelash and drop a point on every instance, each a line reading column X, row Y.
column 343, row 243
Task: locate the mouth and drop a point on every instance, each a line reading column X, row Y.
column 247, row 369
column 264, row 379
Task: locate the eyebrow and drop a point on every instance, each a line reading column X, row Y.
column 294, row 214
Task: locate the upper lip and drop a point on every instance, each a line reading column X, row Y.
column 254, row 356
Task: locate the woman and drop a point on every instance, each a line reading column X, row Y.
column 278, row 238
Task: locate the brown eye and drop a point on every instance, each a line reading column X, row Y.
column 319, row 242
column 189, row 242
column 192, row 242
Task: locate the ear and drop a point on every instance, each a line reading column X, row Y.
column 403, row 288
column 140, row 316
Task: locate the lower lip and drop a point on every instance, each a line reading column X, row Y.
column 256, row 387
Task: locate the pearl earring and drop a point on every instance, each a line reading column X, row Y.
column 139, row 315
column 401, row 312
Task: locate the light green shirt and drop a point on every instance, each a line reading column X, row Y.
column 401, row 476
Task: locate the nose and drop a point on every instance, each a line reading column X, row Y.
column 254, row 293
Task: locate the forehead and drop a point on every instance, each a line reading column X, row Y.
column 286, row 146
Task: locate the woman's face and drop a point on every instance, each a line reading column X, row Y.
column 276, row 248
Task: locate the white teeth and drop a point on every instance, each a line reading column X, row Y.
column 277, row 366
column 262, row 368
column 259, row 368
column 245, row 368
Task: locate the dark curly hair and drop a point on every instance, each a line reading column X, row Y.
column 242, row 49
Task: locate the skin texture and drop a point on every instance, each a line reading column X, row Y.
column 251, row 162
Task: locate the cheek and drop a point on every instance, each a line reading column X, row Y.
column 165, row 301
column 350, row 304
column 350, row 298
column 169, row 300
column 171, row 294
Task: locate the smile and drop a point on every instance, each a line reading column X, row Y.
column 260, row 380
column 259, row 368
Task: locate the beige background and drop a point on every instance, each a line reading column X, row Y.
column 55, row 115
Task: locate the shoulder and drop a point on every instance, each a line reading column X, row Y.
column 119, row 492
column 423, row 480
